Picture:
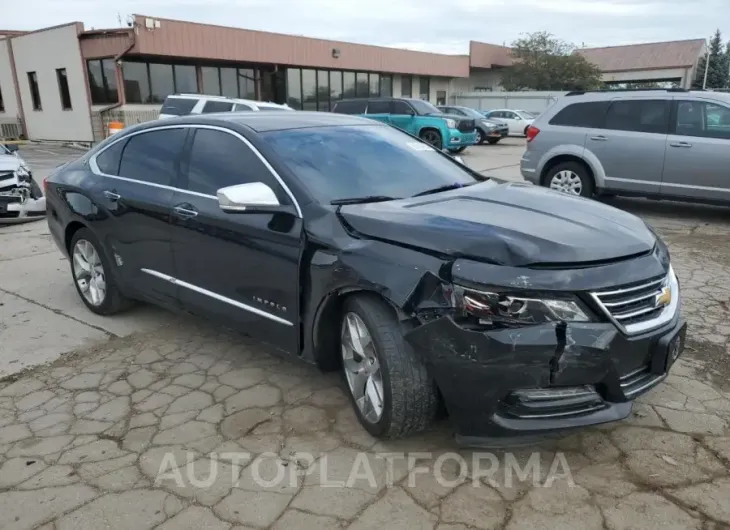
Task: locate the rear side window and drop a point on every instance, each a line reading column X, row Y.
column 153, row 156
column 351, row 107
column 639, row 115
column 589, row 115
column 108, row 160
column 178, row 106
column 242, row 108
column 379, row 107
column 217, row 106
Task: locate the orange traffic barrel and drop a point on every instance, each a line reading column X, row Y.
column 115, row 127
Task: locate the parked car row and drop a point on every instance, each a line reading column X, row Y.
column 345, row 242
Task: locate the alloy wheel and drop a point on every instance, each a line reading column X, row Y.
column 478, row 138
column 567, row 182
column 432, row 138
column 362, row 368
column 89, row 272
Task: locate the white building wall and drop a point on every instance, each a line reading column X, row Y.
column 685, row 74
column 478, row 80
column 43, row 52
column 7, row 86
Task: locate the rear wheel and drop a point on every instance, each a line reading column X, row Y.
column 389, row 386
column 572, row 178
column 92, row 276
column 432, row 137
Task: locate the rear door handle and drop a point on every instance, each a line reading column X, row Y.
column 112, row 195
column 186, row 211
column 599, row 138
column 681, row 144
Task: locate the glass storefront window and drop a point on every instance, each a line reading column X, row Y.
column 136, row 82
column 348, row 82
column 294, row 88
column 229, row 82
column 425, row 88
column 386, row 86
column 211, row 81
column 162, row 84
column 323, row 90
column 363, row 87
column 406, row 87
column 246, row 83
column 186, row 81
column 309, row 89
column 335, row 85
column 374, row 85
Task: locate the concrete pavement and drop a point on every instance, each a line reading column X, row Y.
column 150, row 420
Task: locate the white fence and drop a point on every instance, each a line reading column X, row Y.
column 529, row 101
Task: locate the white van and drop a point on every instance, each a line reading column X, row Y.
column 185, row 104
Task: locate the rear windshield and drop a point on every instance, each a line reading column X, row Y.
column 178, row 106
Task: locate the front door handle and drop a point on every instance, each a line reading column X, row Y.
column 681, row 144
column 599, row 138
column 186, row 211
column 112, row 195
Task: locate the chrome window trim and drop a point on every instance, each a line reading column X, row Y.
column 95, row 167
column 216, row 296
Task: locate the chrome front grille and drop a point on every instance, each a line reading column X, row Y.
column 6, row 175
column 640, row 307
column 639, row 381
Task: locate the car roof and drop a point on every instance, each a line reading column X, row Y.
column 226, row 98
column 265, row 121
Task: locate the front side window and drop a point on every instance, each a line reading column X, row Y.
column 35, row 94
column 402, row 108
column 424, row 108
column 364, row 160
column 219, row 160
column 638, row 115
column 153, row 156
column 589, row 115
column 217, row 106
column 703, row 119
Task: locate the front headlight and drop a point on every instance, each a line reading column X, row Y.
column 451, row 124
column 22, row 173
column 485, row 308
column 488, row 125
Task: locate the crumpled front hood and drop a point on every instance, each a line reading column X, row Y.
column 10, row 163
column 505, row 223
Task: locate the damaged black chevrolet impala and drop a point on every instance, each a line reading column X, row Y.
column 356, row 246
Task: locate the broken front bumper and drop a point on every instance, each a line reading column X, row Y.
column 526, row 381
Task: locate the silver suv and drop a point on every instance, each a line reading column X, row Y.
column 669, row 143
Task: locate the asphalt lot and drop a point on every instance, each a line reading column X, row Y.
column 83, row 439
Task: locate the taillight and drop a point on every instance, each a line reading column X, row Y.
column 45, row 186
column 532, row 132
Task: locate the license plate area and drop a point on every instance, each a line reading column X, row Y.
column 667, row 350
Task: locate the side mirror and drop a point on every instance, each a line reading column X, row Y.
column 252, row 197
column 11, row 147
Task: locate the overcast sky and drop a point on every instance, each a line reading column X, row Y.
column 431, row 25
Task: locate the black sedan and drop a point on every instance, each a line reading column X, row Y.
column 358, row 247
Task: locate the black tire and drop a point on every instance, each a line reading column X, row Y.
column 481, row 137
column 433, row 137
column 493, row 141
column 114, row 301
column 411, row 401
column 525, row 131
column 458, row 149
column 587, row 184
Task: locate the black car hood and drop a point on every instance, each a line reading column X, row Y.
column 505, row 223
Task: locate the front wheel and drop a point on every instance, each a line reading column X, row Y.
column 433, row 138
column 493, row 141
column 479, row 140
column 389, row 386
column 572, row 178
column 458, row 149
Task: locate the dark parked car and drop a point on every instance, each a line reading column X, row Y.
column 358, row 247
column 487, row 130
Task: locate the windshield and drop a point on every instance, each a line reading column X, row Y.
column 344, row 162
column 424, row 107
column 4, row 150
column 471, row 113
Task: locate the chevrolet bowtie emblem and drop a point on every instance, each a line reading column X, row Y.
column 664, row 298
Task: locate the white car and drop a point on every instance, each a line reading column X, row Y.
column 185, row 104
column 517, row 120
column 21, row 199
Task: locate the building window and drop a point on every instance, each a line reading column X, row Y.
column 335, row 86
column 374, row 85
column 425, row 88
column 63, row 90
column 211, row 81
column 136, row 82
column 229, row 82
column 246, row 83
column 162, row 82
column 348, row 84
column 309, row 90
column 406, row 88
column 386, row 86
column 362, row 89
column 323, row 90
column 294, row 88
column 35, row 94
column 2, row 104
column 102, row 81
column 441, row 97
column 482, row 89
column 186, row 80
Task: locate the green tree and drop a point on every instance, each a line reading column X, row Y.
column 543, row 62
column 717, row 69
